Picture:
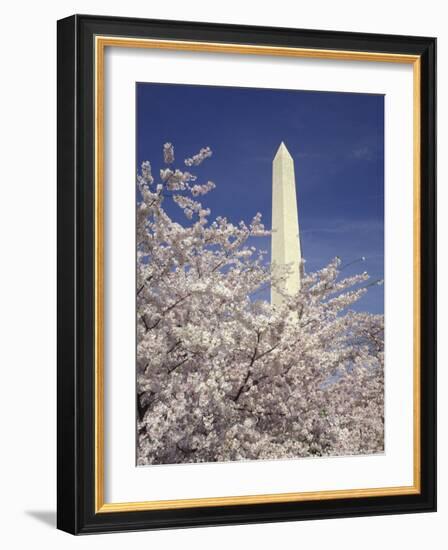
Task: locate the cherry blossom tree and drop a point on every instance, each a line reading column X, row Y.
column 222, row 374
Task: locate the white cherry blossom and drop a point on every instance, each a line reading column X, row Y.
column 223, row 375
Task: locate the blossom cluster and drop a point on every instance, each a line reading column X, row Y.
column 223, row 375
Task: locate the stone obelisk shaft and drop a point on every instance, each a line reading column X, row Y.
column 285, row 248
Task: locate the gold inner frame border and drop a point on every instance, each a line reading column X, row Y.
column 100, row 44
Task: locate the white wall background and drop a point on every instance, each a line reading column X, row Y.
column 28, row 272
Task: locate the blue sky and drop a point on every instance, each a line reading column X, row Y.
column 336, row 141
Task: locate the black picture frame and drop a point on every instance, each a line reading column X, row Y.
column 76, row 286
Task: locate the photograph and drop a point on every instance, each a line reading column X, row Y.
column 259, row 274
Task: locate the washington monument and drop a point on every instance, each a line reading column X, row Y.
column 285, row 247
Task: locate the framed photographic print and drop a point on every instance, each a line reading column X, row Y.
column 246, row 274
